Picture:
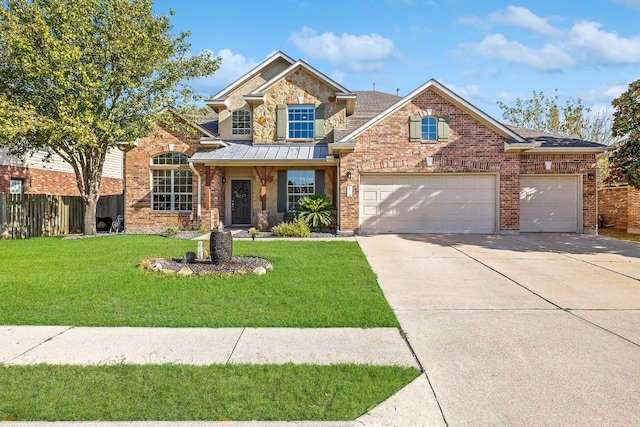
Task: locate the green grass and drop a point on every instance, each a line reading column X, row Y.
column 97, row 282
column 172, row 393
column 619, row 234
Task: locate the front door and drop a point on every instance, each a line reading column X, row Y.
column 241, row 201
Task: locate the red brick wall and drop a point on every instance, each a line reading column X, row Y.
column 581, row 164
column 139, row 218
column 38, row 181
column 613, row 205
column 472, row 148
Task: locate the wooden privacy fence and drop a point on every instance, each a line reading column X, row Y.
column 34, row 215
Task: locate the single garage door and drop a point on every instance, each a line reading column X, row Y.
column 549, row 204
column 428, row 204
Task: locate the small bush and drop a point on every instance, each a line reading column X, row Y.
column 298, row 228
column 315, row 210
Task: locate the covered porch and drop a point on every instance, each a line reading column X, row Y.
column 245, row 184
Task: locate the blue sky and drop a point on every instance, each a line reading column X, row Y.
column 485, row 51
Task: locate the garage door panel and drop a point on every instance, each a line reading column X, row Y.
column 433, row 204
column 549, row 204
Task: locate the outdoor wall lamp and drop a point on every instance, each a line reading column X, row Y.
column 429, row 161
column 224, row 179
column 591, row 176
column 348, row 174
column 547, row 165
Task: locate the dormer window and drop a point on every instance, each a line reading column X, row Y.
column 241, row 122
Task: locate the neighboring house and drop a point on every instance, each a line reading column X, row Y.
column 37, row 175
column 429, row 162
column 619, row 208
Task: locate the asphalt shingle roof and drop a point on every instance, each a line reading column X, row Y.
column 548, row 140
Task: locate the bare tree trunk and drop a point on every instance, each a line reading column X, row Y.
column 90, row 205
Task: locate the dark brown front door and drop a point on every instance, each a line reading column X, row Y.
column 241, row 202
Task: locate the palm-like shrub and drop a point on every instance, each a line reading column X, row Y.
column 316, row 210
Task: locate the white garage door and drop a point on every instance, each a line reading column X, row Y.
column 428, row 204
column 549, row 204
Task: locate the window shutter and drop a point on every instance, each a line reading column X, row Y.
column 319, row 130
column 319, row 184
column 443, row 128
column 282, row 191
column 281, row 121
column 415, row 128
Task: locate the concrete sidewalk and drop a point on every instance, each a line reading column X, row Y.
column 24, row 345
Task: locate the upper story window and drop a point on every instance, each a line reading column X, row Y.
column 16, row 186
column 241, row 122
column 172, row 184
column 301, row 120
column 429, row 129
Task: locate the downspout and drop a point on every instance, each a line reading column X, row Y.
column 199, row 208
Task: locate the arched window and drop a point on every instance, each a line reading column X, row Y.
column 171, row 187
column 429, row 129
column 241, row 122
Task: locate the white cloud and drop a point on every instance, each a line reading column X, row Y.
column 601, row 47
column 524, row 18
column 357, row 52
column 584, row 43
column 547, row 58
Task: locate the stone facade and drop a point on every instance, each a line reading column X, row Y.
column 42, row 181
column 310, row 90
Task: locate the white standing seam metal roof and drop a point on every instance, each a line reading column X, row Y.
column 246, row 151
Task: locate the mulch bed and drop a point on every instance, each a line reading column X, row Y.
column 237, row 266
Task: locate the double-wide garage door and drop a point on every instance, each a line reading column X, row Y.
column 428, row 204
column 549, row 204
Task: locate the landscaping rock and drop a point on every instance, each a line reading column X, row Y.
column 259, row 271
column 185, row 271
column 190, row 257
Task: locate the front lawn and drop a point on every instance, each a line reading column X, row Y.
column 97, row 282
column 179, row 392
column 619, row 234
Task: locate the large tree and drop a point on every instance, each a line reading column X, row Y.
column 625, row 159
column 546, row 114
column 83, row 76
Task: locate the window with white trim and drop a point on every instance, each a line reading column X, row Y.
column 301, row 121
column 429, row 129
column 172, row 184
column 300, row 183
column 16, row 186
column 241, row 122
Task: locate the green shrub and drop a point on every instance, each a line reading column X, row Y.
column 316, row 210
column 299, row 228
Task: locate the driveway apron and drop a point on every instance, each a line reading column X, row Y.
column 519, row 330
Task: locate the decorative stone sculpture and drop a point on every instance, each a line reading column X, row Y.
column 221, row 246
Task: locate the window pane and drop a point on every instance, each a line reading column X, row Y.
column 301, row 183
column 429, row 129
column 170, row 159
column 16, row 186
column 241, row 122
column 301, row 121
column 172, row 190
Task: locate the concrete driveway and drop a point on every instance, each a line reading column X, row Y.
column 522, row 330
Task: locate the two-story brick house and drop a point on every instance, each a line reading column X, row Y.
column 428, row 162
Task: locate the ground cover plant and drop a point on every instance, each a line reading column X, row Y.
column 619, row 234
column 97, row 282
column 180, row 392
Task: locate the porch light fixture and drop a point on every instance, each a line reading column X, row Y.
column 224, row 179
column 591, row 176
column 348, row 174
column 429, row 161
column 171, row 147
column 547, row 165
